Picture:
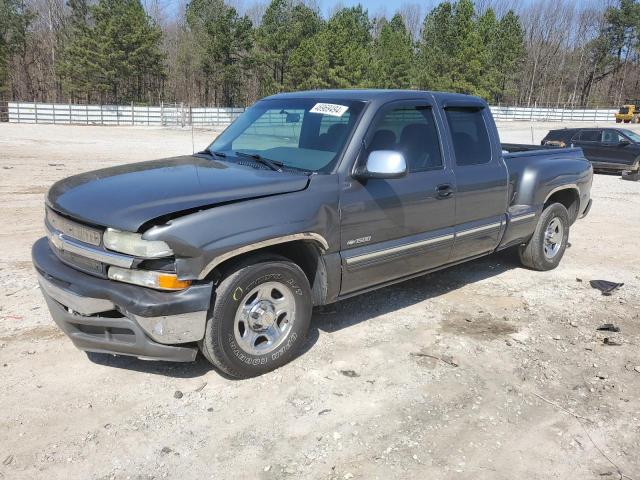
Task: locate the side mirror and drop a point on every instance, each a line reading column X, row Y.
column 384, row 164
column 624, row 143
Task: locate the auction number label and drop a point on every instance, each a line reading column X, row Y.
column 329, row 109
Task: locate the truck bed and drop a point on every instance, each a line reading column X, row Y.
column 523, row 147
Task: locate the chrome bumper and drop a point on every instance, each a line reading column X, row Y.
column 167, row 329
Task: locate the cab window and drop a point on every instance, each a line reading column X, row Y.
column 470, row 137
column 412, row 132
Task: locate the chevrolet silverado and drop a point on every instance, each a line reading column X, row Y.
column 306, row 199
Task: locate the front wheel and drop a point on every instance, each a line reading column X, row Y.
column 549, row 241
column 260, row 317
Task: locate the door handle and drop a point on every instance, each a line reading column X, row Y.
column 444, row 190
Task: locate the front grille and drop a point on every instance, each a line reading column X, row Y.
column 75, row 230
column 85, row 264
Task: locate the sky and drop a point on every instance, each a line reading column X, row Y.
column 388, row 7
column 374, row 6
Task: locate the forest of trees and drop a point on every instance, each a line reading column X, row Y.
column 212, row 52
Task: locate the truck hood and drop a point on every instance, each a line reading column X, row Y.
column 128, row 196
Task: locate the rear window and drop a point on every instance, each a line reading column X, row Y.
column 590, row 135
column 470, row 137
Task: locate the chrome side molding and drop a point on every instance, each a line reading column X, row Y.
column 400, row 248
column 522, row 217
column 482, row 228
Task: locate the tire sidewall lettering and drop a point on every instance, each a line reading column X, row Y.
column 238, row 295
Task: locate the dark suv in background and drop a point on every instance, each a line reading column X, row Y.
column 608, row 149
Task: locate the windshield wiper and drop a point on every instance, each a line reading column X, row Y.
column 272, row 164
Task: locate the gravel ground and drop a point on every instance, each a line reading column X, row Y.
column 482, row 371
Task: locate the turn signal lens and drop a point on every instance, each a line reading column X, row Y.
column 146, row 278
column 171, row 282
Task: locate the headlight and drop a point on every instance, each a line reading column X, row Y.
column 133, row 244
column 146, row 278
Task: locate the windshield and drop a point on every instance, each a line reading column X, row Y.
column 633, row 136
column 299, row 133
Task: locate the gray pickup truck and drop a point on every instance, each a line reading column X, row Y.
column 306, row 199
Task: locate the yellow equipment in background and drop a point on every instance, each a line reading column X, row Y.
column 629, row 112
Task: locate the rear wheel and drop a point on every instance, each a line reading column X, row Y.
column 546, row 247
column 260, row 317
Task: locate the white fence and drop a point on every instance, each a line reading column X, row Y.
column 163, row 115
column 536, row 114
column 181, row 115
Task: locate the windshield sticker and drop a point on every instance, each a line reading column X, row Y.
column 329, row 109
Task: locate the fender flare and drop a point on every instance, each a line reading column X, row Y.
column 319, row 240
column 568, row 186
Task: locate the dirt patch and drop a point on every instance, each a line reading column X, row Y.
column 22, row 265
column 484, row 327
column 48, row 332
column 32, row 191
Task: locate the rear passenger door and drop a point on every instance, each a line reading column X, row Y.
column 481, row 181
column 391, row 228
column 589, row 141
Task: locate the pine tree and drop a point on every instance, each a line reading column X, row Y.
column 347, row 39
column 488, row 31
column 434, row 49
column 224, row 40
column 451, row 53
column 471, row 52
column 112, row 49
column 128, row 49
column 508, row 55
column 337, row 56
column 285, row 25
column 309, row 65
column 15, row 18
column 392, row 56
column 77, row 64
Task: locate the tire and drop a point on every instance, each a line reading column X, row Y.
column 546, row 247
column 633, row 176
column 627, row 121
column 618, row 120
column 272, row 326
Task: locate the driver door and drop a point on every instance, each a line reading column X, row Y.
column 616, row 150
column 392, row 228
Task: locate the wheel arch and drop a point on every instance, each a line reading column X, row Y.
column 305, row 250
column 567, row 195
